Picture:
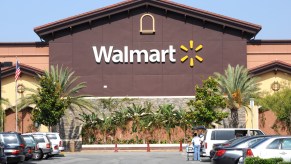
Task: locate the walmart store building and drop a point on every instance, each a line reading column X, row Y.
column 153, row 50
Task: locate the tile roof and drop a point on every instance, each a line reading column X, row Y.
column 69, row 22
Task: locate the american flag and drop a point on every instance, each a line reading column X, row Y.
column 17, row 71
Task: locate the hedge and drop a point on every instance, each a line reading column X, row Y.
column 257, row 160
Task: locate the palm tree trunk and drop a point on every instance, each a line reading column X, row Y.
column 234, row 118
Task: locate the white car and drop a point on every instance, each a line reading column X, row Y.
column 216, row 136
column 56, row 140
column 275, row 147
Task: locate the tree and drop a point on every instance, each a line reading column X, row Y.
column 208, row 103
column 90, row 123
column 280, row 103
column 106, row 126
column 183, row 122
column 135, row 114
column 155, row 124
column 238, row 86
column 57, row 91
column 50, row 108
column 2, row 114
column 169, row 118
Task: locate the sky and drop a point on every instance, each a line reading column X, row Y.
column 18, row 18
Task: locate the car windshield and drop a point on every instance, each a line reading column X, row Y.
column 39, row 138
column 258, row 143
column 10, row 139
column 28, row 139
column 239, row 140
column 52, row 136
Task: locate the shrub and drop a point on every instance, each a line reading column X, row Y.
column 257, row 160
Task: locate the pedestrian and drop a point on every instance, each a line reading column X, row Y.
column 196, row 141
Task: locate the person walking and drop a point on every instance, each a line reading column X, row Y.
column 196, row 144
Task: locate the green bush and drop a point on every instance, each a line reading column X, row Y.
column 257, row 160
column 284, row 162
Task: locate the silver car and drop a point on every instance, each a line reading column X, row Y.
column 57, row 143
column 275, row 147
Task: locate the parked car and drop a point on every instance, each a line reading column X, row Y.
column 31, row 148
column 55, row 141
column 44, row 145
column 275, row 147
column 2, row 154
column 14, row 146
column 218, row 145
column 233, row 153
column 213, row 136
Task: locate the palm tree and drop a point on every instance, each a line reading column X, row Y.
column 156, row 124
column 106, row 126
column 90, row 122
column 238, row 86
column 2, row 113
column 60, row 84
column 183, row 122
column 70, row 88
column 135, row 114
column 120, row 119
column 169, row 118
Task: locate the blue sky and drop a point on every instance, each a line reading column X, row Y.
column 19, row 17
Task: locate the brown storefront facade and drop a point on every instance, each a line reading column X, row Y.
column 144, row 49
column 166, row 25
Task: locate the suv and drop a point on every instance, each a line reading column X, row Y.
column 31, row 148
column 2, row 154
column 44, row 145
column 55, row 141
column 14, row 146
column 215, row 136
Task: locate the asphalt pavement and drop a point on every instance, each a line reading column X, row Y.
column 120, row 158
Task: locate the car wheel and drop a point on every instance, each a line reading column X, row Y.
column 46, row 156
column 38, row 155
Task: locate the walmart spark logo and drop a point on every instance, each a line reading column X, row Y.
column 197, row 49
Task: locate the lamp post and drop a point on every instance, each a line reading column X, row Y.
column 3, row 64
column 252, row 104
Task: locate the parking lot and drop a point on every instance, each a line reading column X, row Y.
column 120, row 158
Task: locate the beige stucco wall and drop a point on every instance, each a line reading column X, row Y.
column 267, row 79
column 8, row 87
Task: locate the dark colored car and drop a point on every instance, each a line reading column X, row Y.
column 232, row 153
column 31, row 149
column 44, row 145
column 219, row 145
column 14, row 146
column 2, row 155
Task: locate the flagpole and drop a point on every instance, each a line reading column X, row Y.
column 17, row 73
column 16, row 111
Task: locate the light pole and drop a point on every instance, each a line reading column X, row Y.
column 3, row 64
column 252, row 104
